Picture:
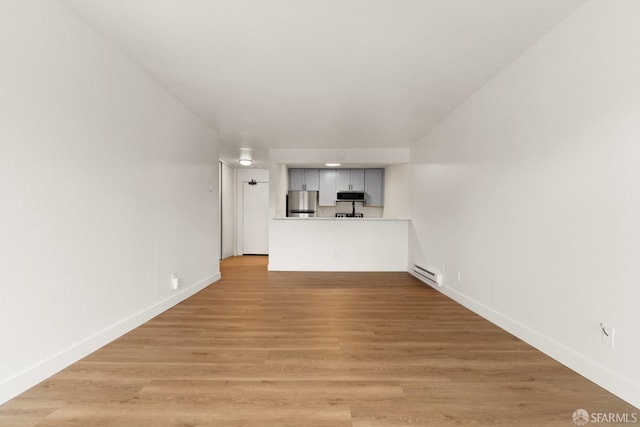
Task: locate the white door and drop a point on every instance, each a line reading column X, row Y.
column 255, row 232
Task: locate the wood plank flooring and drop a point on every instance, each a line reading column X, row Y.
column 265, row 348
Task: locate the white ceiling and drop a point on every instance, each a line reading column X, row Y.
column 322, row 73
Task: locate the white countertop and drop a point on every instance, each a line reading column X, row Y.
column 331, row 218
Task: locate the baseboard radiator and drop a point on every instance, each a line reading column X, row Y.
column 427, row 275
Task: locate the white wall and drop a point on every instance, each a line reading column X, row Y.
column 228, row 210
column 278, row 187
column 105, row 184
column 396, row 195
column 530, row 190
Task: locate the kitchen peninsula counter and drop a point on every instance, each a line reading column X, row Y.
column 338, row 244
column 331, row 218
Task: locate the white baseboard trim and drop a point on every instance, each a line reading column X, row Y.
column 22, row 381
column 615, row 383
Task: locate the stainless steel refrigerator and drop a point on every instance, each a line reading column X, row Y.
column 302, row 204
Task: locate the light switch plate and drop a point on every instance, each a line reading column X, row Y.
column 608, row 333
column 175, row 281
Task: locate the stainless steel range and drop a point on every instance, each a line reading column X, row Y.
column 352, row 214
column 349, row 215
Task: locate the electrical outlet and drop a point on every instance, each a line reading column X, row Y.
column 459, row 277
column 608, row 333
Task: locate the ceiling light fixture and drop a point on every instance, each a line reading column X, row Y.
column 245, row 162
column 333, row 165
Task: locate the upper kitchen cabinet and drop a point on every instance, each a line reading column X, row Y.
column 330, row 181
column 327, row 187
column 303, row 179
column 374, row 186
column 350, row 180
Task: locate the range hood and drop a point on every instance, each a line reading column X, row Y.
column 350, row 196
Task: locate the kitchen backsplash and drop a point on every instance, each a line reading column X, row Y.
column 368, row 211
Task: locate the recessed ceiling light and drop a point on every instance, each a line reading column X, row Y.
column 333, row 165
column 245, row 162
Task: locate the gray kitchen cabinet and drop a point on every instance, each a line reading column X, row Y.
column 296, row 179
column 327, row 185
column 303, row 179
column 350, row 180
column 329, row 181
column 374, row 187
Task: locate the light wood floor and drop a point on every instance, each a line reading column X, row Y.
column 265, row 348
